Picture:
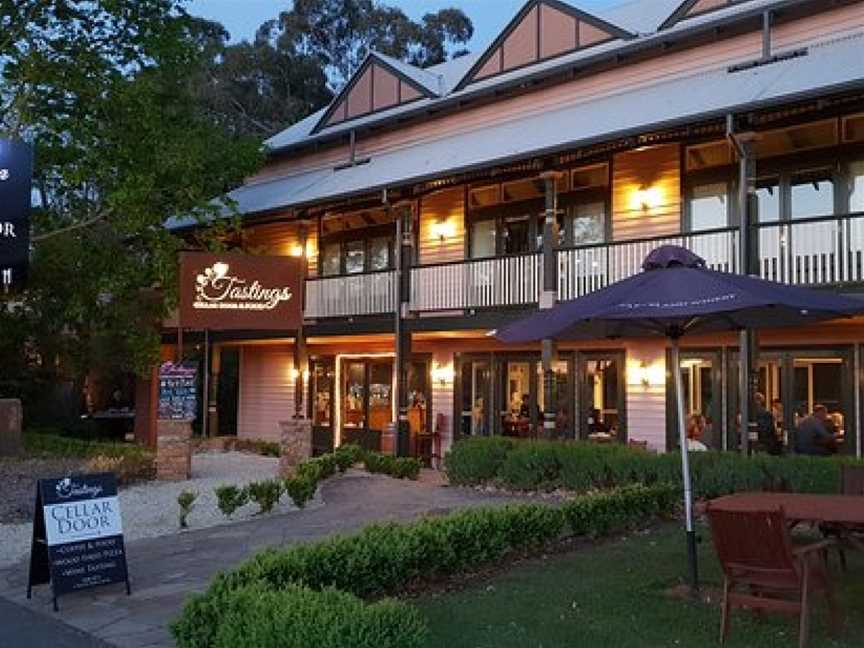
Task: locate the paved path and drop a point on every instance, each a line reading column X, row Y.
column 165, row 570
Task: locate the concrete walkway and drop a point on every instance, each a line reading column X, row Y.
column 164, row 571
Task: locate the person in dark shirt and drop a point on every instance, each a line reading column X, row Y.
column 766, row 428
column 812, row 436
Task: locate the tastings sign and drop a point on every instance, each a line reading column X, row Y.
column 77, row 535
column 16, row 171
column 240, row 292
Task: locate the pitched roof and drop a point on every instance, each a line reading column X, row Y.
column 645, row 18
column 828, row 67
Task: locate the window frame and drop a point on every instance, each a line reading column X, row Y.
column 365, row 235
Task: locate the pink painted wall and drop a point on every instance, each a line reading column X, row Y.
column 646, row 405
column 266, row 391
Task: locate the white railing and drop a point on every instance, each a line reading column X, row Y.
column 481, row 283
column 587, row 269
column 351, row 295
column 813, row 252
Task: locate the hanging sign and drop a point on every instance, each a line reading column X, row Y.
column 178, row 392
column 241, row 291
column 16, row 172
column 77, row 535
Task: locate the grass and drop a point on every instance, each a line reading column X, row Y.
column 613, row 595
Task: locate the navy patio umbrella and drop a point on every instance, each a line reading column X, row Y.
column 675, row 295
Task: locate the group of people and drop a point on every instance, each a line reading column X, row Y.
column 818, row 434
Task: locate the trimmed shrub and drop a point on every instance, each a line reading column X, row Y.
column 348, row 455
column 385, row 559
column 128, row 468
column 477, row 460
column 300, row 490
column 229, row 498
column 581, row 467
column 266, row 494
column 406, row 468
column 186, row 502
column 298, row 617
column 398, row 467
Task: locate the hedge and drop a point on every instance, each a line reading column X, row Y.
column 298, row 617
column 580, row 467
column 385, row 559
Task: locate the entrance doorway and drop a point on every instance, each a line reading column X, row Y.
column 702, row 377
column 475, row 394
column 366, row 401
column 322, row 390
column 602, row 397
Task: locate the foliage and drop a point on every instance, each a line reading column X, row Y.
column 266, row 494
column 398, row 467
column 476, row 460
column 385, row 559
column 298, row 617
column 580, row 467
column 301, row 490
column 186, row 501
column 348, row 455
column 105, row 92
column 48, row 442
column 229, row 498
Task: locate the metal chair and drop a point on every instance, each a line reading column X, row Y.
column 757, row 556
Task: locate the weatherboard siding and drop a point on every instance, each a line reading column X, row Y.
column 674, row 65
column 448, row 206
column 280, row 239
column 658, row 168
column 646, row 406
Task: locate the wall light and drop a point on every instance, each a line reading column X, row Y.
column 297, row 251
column 646, row 198
column 295, row 374
column 443, row 374
column 443, row 230
column 645, row 374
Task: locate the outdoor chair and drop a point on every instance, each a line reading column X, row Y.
column 851, row 483
column 764, row 571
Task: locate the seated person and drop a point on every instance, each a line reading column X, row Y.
column 695, row 433
column 813, row 436
column 595, row 425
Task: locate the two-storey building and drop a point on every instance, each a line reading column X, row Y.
column 417, row 201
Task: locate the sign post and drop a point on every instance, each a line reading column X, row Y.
column 16, row 172
column 77, row 535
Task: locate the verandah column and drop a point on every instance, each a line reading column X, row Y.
column 404, row 258
column 548, row 298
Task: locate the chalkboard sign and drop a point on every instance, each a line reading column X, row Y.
column 16, row 172
column 178, row 391
column 77, row 535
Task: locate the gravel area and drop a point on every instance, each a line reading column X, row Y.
column 150, row 510
column 18, row 479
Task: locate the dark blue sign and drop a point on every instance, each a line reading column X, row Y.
column 77, row 535
column 16, row 172
column 178, row 391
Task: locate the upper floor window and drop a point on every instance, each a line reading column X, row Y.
column 708, row 206
column 352, row 250
column 768, row 199
column 812, row 194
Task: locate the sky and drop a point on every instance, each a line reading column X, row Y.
column 242, row 17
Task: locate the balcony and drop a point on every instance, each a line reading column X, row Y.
column 812, row 252
column 351, row 295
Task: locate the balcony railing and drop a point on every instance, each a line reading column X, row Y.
column 815, row 252
column 351, row 295
column 583, row 270
column 480, row 283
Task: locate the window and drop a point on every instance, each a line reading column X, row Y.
column 812, row 194
column 483, row 239
column 517, row 235
column 709, row 206
column 768, row 199
column 331, row 259
column 355, row 257
column 588, row 222
column 856, row 186
column 379, row 253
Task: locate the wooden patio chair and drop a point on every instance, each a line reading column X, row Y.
column 851, row 483
column 763, row 571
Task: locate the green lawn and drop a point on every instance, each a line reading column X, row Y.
column 612, row 596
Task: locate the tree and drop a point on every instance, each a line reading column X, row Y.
column 105, row 91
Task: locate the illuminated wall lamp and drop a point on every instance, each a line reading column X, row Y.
column 443, row 374
column 443, row 230
column 652, row 375
column 647, row 198
column 295, row 374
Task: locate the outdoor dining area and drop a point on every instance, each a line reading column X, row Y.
column 778, row 551
column 757, row 536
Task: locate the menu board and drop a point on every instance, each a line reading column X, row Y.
column 178, row 391
column 77, row 535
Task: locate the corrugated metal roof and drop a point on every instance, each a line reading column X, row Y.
column 828, row 66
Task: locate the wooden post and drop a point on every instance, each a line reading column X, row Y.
column 549, row 298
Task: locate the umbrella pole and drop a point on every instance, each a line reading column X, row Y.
column 685, row 466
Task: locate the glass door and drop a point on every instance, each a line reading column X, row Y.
column 562, row 395
column 519, row 415
column 367, row 401
column 475, row 393
column 322, row 386
column 602, row 397
column 702, row 377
